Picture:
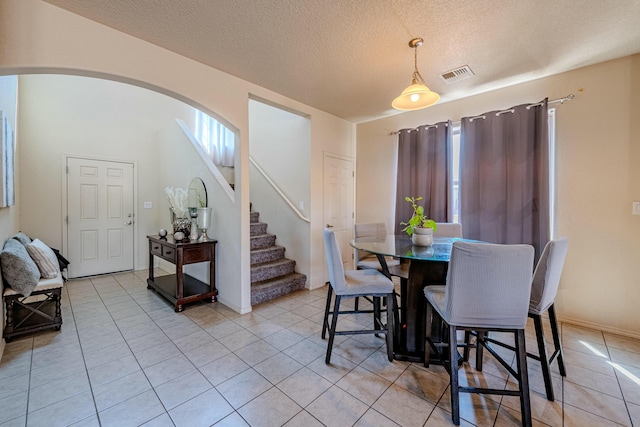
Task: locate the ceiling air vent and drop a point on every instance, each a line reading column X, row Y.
column 460, row 73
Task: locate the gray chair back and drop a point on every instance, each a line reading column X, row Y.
column 448, row 229
column 334, row 261
column 546, row 277
column 488, row 285
column 369, row 229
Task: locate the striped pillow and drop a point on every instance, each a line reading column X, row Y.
column 44, row 258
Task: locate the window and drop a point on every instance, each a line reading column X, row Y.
column 455, row 168
column 455, row 171
column 216, row 139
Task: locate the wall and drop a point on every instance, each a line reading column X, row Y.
column 36, row 37
column 93, row 118
column 598, row 150
column 9, row 216
column 278, row 136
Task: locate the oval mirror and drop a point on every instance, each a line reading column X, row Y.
column 197, row 194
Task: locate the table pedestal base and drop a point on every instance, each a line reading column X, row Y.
column 411, row 331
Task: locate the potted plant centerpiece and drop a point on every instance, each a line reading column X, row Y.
column 419, row 227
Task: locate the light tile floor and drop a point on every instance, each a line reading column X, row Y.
column 124, row 358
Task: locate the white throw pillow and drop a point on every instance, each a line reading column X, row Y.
column 44, row 258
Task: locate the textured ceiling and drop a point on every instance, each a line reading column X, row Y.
column 350, row 58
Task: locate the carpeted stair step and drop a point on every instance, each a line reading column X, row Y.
column 258, row 228
column 271, row 253
column 272, row 275
column 268, row 289
column 272, row 269
column 262, row 241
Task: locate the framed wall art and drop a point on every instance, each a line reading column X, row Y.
column 7, row 186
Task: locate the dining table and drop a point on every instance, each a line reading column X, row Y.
column 424, row 266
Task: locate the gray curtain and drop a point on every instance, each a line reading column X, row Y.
column 504, row 176
column 424, row 170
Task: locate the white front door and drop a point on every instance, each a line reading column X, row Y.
column 100, row 216
column 338, row 204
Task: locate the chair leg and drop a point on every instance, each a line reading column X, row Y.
column 391, row 313
column 480, row 349
column 427, row 342
column 325, row 323
column 453, row 375
column 332, row 330
column 356, row 303
column 544, row 357
column 523, row 380
column 377, row 319
column 467, row 346
column 556, row 339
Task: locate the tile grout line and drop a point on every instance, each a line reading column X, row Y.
column 86, row 369
column 615, row 371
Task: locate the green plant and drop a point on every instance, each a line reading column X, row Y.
column 417, row 220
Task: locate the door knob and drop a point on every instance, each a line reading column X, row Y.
column 128, row 223
column 329, row 226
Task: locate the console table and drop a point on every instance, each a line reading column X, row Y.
column 181, row 288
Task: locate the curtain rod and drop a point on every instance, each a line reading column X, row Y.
column 510, row 110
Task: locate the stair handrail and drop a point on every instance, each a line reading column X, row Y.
column 277, row 189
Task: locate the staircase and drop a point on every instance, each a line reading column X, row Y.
column 272, row 275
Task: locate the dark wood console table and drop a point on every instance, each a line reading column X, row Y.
column 181, row 288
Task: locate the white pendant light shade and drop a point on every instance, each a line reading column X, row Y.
column 415, row 97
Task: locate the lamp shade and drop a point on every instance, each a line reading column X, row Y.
column 415, row 97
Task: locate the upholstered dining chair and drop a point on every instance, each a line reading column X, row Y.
column 351, row 284
column 363, row 259
column 448, row 229
column 546, row 279
column 487, row 289
column 366, row 259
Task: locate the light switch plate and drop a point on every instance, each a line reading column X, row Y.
column 148, row 205
column 636, row 208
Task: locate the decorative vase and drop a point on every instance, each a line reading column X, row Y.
column 204, row 222
column 183, row 225
column 422, row 237
column 193, row 213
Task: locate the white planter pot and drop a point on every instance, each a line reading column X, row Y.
column 422, row 237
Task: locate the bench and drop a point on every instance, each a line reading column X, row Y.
column 41, row 310
column 33, row 283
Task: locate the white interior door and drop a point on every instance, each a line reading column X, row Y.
column 100, row 216
column 338, row 204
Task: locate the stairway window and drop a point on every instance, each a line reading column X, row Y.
column 216, row 139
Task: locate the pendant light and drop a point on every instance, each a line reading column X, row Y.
column 417, row 95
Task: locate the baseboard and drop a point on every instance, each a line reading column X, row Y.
column 314, row 286
column 605, row 328
column 234, row 307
